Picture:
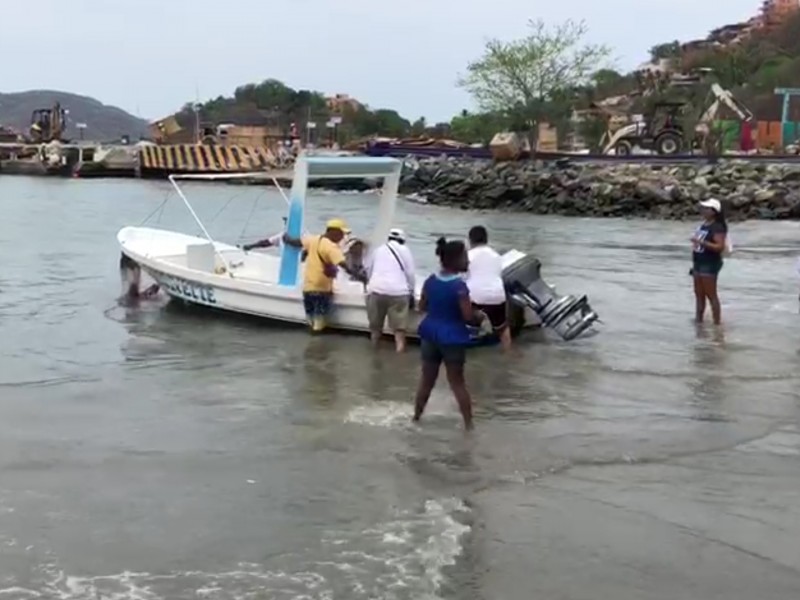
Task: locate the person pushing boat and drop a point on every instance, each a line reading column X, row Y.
column 324, row 258
column 131, row 279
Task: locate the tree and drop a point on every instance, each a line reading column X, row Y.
column 418, row 127
column 363, row 122
column 591, row 129
column 476, row 128
column 668, row 50
column 519, row 78
column 608, row 82
column 390, row 123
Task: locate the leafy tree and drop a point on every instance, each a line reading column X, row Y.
column 592, row 129
column 668, row 50
column 519, row 78
column 389, row 122
column 474, row 128
column 607, row 79
column 363, row 122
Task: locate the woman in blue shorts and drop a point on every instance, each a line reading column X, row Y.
column 708, row 246
column 443, row 332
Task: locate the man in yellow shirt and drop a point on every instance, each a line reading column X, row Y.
column 324, row 257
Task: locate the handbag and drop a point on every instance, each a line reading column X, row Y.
column 728, row 249
column 411, row 301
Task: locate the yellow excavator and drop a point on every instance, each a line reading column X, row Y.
column 48, row 124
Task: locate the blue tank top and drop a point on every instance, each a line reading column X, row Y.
column 443, row 322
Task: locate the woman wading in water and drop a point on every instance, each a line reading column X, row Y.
column 443, row 332
column 708, row 246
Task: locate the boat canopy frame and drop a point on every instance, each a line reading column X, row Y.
column 308, row 168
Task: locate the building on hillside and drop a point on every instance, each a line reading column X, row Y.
column 696, row 45
column 772, row 14
column 731, row 34
column 775, row 12
column 661, row 66
column 338, row 102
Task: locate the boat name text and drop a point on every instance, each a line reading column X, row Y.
column 194, row 292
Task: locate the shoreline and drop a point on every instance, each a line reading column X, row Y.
column 655, row 190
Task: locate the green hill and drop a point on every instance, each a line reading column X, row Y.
column 273, row 103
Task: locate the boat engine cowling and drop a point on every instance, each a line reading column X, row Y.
column 566, row 315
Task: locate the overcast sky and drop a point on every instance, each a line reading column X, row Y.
column 150, row 56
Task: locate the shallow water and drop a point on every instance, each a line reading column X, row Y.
column 152, row 452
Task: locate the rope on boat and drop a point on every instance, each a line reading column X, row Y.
column 249, row 218
column 224, row 207
column 159, row 209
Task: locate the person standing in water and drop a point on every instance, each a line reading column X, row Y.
column 485, row 283
column 324, row 257
column 444, row 331
column 390, row 291
column 708, row 246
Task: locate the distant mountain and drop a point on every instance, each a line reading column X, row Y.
column 103, row 123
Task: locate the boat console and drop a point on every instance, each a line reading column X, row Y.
column 566, row 315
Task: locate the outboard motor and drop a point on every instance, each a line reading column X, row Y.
column 567, row 315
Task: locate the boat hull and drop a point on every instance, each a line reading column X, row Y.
column 246, row 285
column 240, row 290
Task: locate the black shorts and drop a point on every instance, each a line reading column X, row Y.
column 497, row 313
column 448, row 354
column 706, row 269
column 317, row 304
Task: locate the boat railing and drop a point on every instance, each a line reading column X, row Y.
column 173, row 179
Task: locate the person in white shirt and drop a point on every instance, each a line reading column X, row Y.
column 273, row 241
column 390, row 288
column 485, row 283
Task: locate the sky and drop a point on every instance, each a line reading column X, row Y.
column 149, row 57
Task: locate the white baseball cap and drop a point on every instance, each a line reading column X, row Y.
column 713, row 204
column 397, row 234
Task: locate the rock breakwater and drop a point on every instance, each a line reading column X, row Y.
column 747, row 190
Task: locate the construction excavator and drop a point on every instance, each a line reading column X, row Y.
column 662, row 132
column 48, row 124
column 705, row 137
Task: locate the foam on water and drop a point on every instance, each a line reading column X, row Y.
column 398, row 414
column 401, row 557
column 381, row 414
column 319, row 192
column 418, row 198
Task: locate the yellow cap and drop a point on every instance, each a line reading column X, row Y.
column 337, row 224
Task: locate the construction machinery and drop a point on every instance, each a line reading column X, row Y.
column 721, row 98
column 659, row 131
column 48, row 124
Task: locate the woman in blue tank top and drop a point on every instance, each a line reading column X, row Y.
column 443, row 332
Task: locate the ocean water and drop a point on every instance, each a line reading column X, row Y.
column 151, row 452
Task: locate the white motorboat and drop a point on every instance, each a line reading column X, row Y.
column 207, row 272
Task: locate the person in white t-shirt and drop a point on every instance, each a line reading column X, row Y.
column 273, row 241
column 390, row 288
column 485, row 283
